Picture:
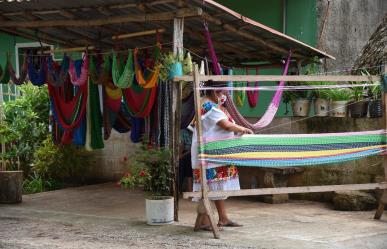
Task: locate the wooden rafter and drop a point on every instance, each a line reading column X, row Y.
column 165, row 16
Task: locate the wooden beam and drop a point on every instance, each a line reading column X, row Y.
column 165, row 16
column 135, row 34
column 45, row 38
column 249, row 36
column 301, row 78
column 74, row 49
column 289, row 190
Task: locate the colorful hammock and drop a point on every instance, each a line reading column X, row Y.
column 37, row 77
column 4, row 73
column 139, row 101
column 82, row 78
column 294, row 149
column 100, row 72
column 152, row 79
column 68, row 114
column 230, row 106
column 57, row 74
column 22, row 74
column 252, row 96
column 123, row 77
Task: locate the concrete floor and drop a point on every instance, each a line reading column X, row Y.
column 104, row 216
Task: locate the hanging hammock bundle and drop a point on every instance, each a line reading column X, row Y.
column 37, row 77
column 152, row 79
column 294, row 149
column 94, row 119
column 139, row 101
column 68, row 114
column 122, row 124
column 57, row 74
column 123, row 77
column 82, row 78
column 252, row 96
column 22, row 73
column 4, row 73
column 240, row 96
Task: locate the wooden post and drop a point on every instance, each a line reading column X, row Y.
column 383, row 198
column 204, row 207
column 178, row 29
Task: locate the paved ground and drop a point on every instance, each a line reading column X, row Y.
column 103, row 216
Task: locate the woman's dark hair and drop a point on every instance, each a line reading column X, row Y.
column 211, row 83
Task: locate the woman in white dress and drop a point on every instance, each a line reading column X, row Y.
column 216, row 123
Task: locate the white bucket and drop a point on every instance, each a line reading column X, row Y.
column 338, row 108
column 159, row 210
column 321, row 107
column 300, row 107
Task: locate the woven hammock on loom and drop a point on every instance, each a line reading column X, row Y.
column 294, row 149
column 230, row 106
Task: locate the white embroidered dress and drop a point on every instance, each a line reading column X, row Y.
column 219, row 177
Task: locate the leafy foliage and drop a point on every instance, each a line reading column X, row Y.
column 67, row 162
column 25, row 126
column 152, row 168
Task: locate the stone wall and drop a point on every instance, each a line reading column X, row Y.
column 349, row 26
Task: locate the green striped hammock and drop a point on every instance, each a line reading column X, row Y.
column 284, row 150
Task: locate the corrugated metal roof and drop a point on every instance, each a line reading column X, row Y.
column 237, row 39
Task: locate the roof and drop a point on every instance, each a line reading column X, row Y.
column 374, row 53
column 70, row 23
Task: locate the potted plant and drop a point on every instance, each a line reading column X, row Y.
column 11, row 179
column 175, row 65
column 339, row 99
column 359, row 105
column 299, row 100
column 321, row 98
column 375, row 103
column 151, row 168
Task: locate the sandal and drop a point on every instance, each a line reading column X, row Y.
column 230, row 224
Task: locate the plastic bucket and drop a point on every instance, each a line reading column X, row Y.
column 159, row 210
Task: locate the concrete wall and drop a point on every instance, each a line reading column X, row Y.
column 348, row 27
column 112, row 161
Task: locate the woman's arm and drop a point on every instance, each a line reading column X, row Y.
column 229, row 126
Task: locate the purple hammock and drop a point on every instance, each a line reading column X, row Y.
column 230, row 106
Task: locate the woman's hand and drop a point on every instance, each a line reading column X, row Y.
column 246, row 131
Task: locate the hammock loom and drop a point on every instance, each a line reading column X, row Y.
column 294, row 149
column 230, row 106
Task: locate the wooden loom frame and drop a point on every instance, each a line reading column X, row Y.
column 204, row 207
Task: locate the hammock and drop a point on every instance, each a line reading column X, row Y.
column 252, row 96
column 122, row 124
column 123, row 78
column 22, row 74
column 37, row 77
column 187, row 111
column 4, row 73
column 82, row 78
column 294, row 149
column 68, row 114
column 151, row 80
column 139, row 101
column 230, row 106
column 57, row 74
column 94, row 119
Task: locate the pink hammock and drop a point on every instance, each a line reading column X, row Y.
column 230, row 106
column 252, row 96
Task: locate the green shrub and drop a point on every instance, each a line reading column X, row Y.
column 25, row 126
column 67, row 163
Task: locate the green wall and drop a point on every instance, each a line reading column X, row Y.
column 300, row 23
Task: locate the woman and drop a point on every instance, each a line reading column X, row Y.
column 216, row 123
